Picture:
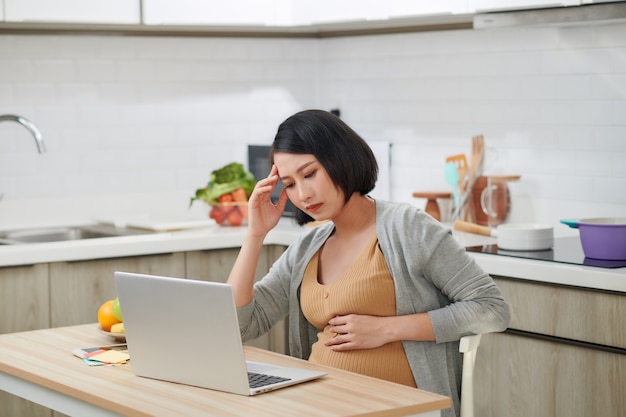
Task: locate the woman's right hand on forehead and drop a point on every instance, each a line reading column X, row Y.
column 263, row 213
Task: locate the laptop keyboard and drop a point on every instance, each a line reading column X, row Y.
column 260, row 380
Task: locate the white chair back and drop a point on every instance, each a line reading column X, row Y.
column 468, row 346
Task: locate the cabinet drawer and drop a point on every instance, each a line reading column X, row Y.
column 568, row 312
column 526, row 377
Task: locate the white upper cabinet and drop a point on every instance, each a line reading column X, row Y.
column 214, row 12
column 315, row 12
column 477, row 6
column 269, row 13
column 289, row 12
column 406, row 8
column 73, row 11
column 327, row 11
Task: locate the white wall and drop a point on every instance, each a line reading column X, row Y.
column 136, row 123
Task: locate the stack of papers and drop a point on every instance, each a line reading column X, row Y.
column 109, row 355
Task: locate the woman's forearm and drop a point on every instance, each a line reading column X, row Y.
column 241, row 277
column 412, row 327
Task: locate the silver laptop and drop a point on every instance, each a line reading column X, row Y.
column 187, row 331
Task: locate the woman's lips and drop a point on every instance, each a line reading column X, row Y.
column 313, row 207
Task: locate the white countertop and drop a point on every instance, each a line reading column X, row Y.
column 610, row 279
column 212, row 237
column 217, row 237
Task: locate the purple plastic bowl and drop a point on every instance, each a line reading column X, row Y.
column 603, row 238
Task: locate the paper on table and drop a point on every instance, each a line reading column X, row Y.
column 107, row 357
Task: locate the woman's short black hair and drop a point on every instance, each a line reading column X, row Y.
column 346, row 157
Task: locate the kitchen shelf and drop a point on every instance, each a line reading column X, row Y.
column 325, row 30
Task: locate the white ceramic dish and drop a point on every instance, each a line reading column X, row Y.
column 121, row 337
column 525, row 237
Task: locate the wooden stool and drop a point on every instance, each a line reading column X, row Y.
column 432, row 207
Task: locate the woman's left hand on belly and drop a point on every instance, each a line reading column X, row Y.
column 355, row 331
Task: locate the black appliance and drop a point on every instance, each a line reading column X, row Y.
column 565, row 250
column 258, row 164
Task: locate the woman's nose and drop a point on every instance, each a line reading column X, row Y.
column 303, row 193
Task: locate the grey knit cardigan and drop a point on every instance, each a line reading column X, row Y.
column 432, row 273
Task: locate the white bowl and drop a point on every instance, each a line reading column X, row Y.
column 525, row 237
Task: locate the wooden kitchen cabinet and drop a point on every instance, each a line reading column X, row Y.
column 563, row 355
column 580, row 314
column 519, row 376
column 11, row 405
column 77, row 289
column 215, row 265
column 73, row 11
column 24, row 306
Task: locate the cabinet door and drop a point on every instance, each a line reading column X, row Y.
column 213, row 12
column 306, row 12
column 289, row 12
column 499, row 5
column 215, row 265
column 12, row 405
column 73, row 11
column 24, row 304
column 404, row 8
column 518, row 376
column 77, row 289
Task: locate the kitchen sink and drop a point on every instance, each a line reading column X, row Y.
column 61, row 234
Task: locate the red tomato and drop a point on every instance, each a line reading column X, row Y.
column 218, row 214
column 235, row 218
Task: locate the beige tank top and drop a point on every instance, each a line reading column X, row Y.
column 365, row 288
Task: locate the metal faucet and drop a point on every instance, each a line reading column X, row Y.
column 41, row 147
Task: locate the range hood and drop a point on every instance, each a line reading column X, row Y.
column 559, row 16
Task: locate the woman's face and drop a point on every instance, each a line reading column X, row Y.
column 308, row 185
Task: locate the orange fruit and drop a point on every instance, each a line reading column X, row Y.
column 106, row 318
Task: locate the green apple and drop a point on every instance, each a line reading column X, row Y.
column 117, row 310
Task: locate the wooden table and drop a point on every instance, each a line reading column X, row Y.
column 39, row 366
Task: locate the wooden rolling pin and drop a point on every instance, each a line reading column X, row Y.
column 468, row 227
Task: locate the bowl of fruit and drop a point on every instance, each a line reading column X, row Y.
column 226, row 194
column 110, row 319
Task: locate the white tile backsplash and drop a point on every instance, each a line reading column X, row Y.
column 141, row 121
column 548, row 100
